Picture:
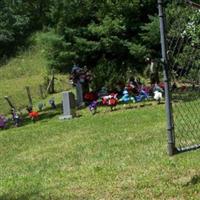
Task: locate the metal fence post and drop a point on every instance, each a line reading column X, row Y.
column 168, row 105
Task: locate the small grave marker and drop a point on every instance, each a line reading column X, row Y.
column 69, row 105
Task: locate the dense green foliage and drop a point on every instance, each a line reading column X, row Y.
column 86, row 31
column 12, row 28
column 117, row 33
column 103, row 31
column 183, row 39
column 19, row 19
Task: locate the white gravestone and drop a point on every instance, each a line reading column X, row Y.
column 69, row 105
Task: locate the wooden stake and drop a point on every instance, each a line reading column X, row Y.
column 9, row 102
column 29, row 95
column 41, row 91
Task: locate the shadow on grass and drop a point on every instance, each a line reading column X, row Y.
column 44, row 116
column 194, row 181
column 38, row 196
column 26, row 196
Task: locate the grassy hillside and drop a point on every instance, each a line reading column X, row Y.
column 112, row 155
column 29, row 68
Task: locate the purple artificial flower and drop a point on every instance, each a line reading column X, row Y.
column 93, row 107
column 3, row 121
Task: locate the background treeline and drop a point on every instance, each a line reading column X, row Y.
column 111, row 37
column 18, row 19
column 85, row 31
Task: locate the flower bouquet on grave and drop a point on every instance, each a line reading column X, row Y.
column 3, row 122
column 141, row 96
column 16, row 117
column 34, row 115
column 52, row 103
column 110, row 100
column 93, row 107
column 90, row 97
column 126, row 98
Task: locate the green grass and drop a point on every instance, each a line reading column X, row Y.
column 29, row 68
column 112, row 155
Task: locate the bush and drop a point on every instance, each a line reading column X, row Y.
column 108, row 74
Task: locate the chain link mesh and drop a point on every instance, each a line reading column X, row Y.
column 184, row 62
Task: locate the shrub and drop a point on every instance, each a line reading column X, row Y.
column 108, row 74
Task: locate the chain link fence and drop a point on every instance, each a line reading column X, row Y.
column 183, row 59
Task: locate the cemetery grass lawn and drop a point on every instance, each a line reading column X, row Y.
column 28, row 68
column 112, row 155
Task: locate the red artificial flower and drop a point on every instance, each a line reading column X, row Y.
column 90, row 96
column 112, row 102
column 33, row 114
